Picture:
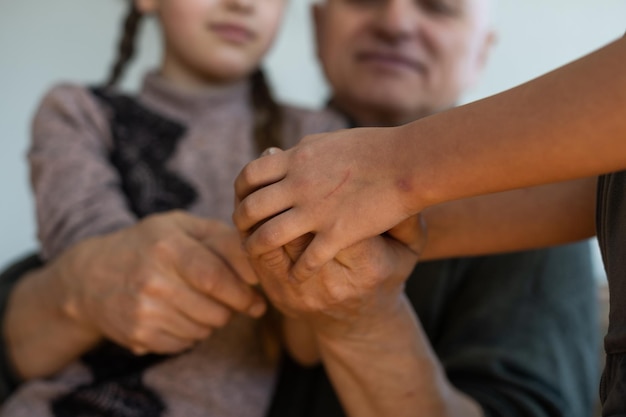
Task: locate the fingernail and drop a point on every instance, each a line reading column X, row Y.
column 270, row 151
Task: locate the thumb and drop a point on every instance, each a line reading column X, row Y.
column 296, row 247
column 412, row 232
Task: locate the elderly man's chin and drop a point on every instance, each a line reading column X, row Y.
column 396, row 103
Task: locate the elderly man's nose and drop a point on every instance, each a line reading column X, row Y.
column 244, row 5
column 397, row 18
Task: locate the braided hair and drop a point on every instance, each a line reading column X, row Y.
column 126, row 45
column 268, row 117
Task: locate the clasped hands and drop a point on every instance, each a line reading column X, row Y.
column 346, row 294
column 169, row 281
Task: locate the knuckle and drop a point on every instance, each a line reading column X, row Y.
column 222, row 318
column 142, row 314
column 138, row 350
column 273, row 259
column 138, row 336
column 154, row 288
column 138, row 280
column 268, row 237
column 162, row 248
column 247, row 175
column 310, row 305
column 247, row 208
column 337, row 294
column 204, row 333
column 209, row 281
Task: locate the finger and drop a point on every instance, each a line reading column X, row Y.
column 319, row 252
column 412, row 232
column 180, row 321
column 196, row 227
column 273, row 269
column 207, row 273
column 230, row 251
column 260, row 173
column 296, row 247
column 276, row 232
column 275, row 262
column 266, row 152
column 189, row 313
column 271, row 151
column 261, row 206
column 162, row 342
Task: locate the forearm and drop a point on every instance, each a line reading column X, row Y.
column 300, row 342
column 40, row 337
column 567, row 124
column 389, row 369
column 515, row 220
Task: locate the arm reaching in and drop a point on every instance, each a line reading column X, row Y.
column 353, row 184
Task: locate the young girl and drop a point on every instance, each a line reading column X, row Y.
column 101, row 160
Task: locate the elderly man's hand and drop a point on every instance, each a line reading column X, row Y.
column 359, row 287
column 161, row 285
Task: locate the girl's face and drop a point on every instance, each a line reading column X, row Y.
column 214, row 41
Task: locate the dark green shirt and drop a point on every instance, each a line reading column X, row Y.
column 516, row 332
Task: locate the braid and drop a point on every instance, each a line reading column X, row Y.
column 126, row 45
column 268, row 117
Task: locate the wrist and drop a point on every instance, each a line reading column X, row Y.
column 394, row 370
column 417, row 167
column 66, row 303
column 40, row 338
column 374, row 325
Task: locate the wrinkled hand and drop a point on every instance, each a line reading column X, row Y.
column 161, row 285
column 343, row 187
column 359, row 286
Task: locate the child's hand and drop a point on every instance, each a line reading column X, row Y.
column 343, row 187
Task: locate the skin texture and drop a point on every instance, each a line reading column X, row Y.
column 564, row 125
column 208, row 42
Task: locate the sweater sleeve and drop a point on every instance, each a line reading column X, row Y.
column 520, row 335
column 77, row 191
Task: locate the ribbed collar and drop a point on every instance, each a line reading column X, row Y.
column 162, row 95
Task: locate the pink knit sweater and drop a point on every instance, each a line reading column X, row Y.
column 79, row 193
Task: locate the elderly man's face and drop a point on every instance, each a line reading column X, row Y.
column 397, row 60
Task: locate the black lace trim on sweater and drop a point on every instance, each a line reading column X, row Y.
column 143, row 143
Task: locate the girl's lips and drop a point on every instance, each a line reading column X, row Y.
column 233, row 33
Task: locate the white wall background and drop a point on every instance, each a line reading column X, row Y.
column 43, row 42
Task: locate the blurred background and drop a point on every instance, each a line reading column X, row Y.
column 44, row 42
